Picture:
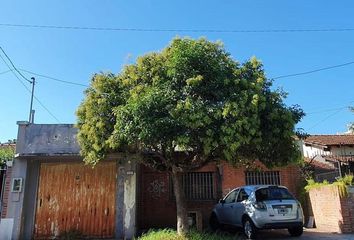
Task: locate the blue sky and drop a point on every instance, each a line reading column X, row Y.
column 74, row 55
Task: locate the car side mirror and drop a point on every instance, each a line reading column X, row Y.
column 222, row 201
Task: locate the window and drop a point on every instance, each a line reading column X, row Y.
column 273, row 193
column 263, row 177
column 242, row 195
column 231, row 196
column 16, row 185
column 197, row 186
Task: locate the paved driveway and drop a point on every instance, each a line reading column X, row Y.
column 309, row 234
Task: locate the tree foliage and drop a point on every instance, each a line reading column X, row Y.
column 185, row 106
column 351, row 125
column 191, row 96
column 7, row 153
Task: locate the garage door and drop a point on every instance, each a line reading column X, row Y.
column 74, row 197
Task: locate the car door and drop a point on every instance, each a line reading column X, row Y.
column 226, row 206
column 239, row 207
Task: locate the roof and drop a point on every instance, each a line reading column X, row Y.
column 330, row 140
column 336, row 158
column 319, row 165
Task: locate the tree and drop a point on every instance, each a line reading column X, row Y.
column 185, row 106
column 351, row 125
column 7, row 152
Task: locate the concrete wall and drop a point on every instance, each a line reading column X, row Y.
column 333, row 212
column 16, row 199
column 46, row 139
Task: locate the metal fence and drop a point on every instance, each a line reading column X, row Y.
column 329, row 176
column 197, row 186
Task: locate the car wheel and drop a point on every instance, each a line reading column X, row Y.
column 249, row 229
column 214, row 222
column 296, row 231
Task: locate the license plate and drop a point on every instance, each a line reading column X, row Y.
column 282, row 211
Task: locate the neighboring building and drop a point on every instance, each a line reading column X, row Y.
column 331, row 156
column 5, row 173
column 53, row 192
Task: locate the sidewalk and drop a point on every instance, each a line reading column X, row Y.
column 309, row 234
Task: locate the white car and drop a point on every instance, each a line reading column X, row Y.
column 259, row 207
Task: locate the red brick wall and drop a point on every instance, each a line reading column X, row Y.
column 290, row 177
column 332, row 212
column 5, row 197
column 158, row 210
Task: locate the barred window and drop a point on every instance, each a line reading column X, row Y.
column 263, row 177
column 197, row 186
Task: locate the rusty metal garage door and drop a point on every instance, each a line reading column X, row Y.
column 72, row 196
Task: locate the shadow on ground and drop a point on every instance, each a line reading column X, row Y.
column 309, row 234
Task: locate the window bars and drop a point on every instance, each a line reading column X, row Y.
column 262, row 178
column 197, row 186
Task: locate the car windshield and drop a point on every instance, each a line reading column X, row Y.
column 272, row 193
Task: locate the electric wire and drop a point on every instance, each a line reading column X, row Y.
column 324, row 119
column 24, row 85
column 177, row 30
column 4, row 72
column 313, row 71
column 13, row 66
column 54, row 79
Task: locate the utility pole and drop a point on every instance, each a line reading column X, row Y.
column 31, row 114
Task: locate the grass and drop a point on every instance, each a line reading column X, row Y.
column 169, row 234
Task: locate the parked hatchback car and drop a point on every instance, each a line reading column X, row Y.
column 259, row 207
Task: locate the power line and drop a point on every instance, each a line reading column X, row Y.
column 24, row 85
column 177, row 30
column 327, row 110
column 327, row 117
column 13, row 66
column 54, row 79
column 5, row 72
column 315, row 70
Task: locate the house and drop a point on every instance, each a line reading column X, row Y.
column 54, row 192
column 331, row 156
column 5, row 171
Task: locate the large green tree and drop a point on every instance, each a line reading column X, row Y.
column 185, row 106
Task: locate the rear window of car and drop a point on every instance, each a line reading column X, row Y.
column 273, row 193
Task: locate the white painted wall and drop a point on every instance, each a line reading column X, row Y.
column 311, row 151
column 6, row 226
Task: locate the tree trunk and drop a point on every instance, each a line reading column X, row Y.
column 182, row 219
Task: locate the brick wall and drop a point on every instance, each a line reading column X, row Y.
column 156, row 209
column 5, row 197
column 232, row 177
column 332, row 212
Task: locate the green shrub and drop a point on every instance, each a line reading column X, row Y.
column 342, row 184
